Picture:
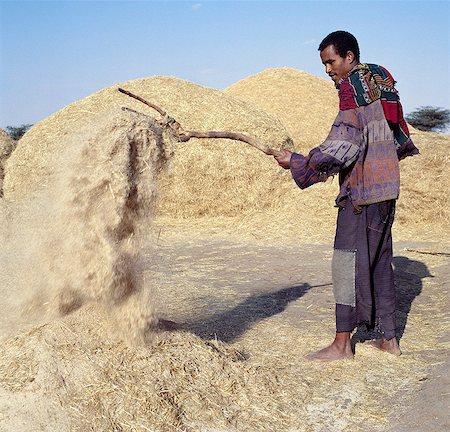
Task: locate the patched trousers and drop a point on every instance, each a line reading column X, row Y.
column 363, row 278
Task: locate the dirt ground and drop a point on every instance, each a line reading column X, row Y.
column 273, row 302
column 234, row 291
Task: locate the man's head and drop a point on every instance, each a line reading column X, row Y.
column 339, row 53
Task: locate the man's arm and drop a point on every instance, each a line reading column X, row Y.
column 338, row 151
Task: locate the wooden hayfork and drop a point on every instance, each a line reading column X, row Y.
column 184, row 135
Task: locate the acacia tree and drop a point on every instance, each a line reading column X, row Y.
column 17, row 132
column 429, row 118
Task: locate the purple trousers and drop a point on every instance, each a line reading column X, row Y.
column 363, row 278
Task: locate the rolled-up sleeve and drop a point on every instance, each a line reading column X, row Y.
column 337, row 152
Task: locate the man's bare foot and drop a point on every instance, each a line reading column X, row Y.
column 340, row 349
column 390, row 346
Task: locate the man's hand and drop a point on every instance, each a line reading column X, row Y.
column 284, row 160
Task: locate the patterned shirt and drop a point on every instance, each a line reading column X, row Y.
column 367, row 139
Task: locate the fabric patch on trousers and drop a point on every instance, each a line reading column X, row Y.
column 343, row 268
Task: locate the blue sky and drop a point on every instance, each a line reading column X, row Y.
column 53, row 53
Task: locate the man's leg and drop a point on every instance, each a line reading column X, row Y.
column 343, row 274
column 383, row 276
column 362, row 274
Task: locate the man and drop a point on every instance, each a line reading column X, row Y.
column 367, row 139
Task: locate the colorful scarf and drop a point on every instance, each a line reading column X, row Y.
column 366, row 83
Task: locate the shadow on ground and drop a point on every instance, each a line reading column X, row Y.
column 409, row 275
column 229, row 325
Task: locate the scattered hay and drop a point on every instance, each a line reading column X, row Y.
column 82, row 378
column 7, row 145
column 93, row 382
column 231, row 288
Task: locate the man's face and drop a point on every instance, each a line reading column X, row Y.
column 336, row 67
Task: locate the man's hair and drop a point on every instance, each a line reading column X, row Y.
column 343, row 42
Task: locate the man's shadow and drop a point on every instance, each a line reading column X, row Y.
column 229, row 325
column 408, row 276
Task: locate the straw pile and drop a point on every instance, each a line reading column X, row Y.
column 195, row 179
column 423, row 210
column 7, row 145
column 215, row 184
column 80, row 379
column 305, row 104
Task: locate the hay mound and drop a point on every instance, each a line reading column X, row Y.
column 424, row 203
column 200, row 168
column 81, row 380
column 7, row 145
column 231, row 180
column 80, row 238
column 305, row 104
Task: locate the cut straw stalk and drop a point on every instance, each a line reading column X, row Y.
column 187, row 135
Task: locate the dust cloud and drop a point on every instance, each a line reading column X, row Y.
column 79, row 239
